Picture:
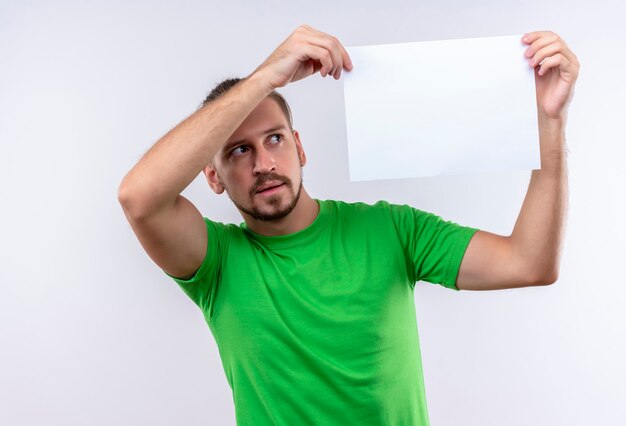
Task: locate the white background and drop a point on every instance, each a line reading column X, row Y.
column 93, row 333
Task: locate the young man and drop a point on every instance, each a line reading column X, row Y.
column 311, row 301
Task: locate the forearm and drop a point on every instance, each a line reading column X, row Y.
column 180, row 155
column 538, row 233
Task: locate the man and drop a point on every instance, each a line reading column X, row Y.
column 311, row 301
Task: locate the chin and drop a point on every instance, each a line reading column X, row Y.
column 276, row 211
column 273, row 208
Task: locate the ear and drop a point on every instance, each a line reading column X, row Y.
column 301, row 153
column 213, row 179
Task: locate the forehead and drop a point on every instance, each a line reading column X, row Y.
column 266, row 115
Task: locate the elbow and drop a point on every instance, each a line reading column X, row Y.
column 122, row 195
column 129, row 201
column 552, row 278
column 138, row 206
column 547, row 278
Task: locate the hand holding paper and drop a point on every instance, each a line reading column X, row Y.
column 305, row 52
column 557, row 69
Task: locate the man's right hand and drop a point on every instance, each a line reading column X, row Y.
column 305, row 52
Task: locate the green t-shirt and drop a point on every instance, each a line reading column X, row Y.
column 318, row 327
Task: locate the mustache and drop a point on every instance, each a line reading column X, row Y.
column 271, row 176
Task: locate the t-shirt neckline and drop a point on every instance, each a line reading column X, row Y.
column 297, row 238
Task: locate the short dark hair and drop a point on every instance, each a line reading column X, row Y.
column 227, row 84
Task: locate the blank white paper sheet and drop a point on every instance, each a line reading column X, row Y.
column 440, row 108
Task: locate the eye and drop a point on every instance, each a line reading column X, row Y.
column 239, row 151
column 280, row 137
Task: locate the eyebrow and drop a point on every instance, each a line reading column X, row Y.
column 270, row 130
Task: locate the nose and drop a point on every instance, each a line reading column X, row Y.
column 263, row 161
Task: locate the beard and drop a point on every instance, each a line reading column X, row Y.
column 274, row 201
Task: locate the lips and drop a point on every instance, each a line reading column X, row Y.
column 268, row 186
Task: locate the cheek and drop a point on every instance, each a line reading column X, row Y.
column 237, row 182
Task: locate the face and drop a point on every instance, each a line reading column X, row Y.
column 260, row 166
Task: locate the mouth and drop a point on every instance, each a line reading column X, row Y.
column 270, row 188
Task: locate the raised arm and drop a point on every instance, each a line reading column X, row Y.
column 531, row 254
column 169, row 227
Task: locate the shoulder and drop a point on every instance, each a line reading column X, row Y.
column 221, row 233
column 220, row 226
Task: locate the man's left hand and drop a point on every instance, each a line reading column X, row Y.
column 556, row 71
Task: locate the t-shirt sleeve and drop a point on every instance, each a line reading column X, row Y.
column 434, row 247
column 202, row 287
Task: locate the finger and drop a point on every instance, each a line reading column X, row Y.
column 545, row 40
column 345, row 57
column 347, row 62
column 338, row 52
column 319, row 54
column 540, row 43
column 543, row 53
column 532, row 36
column 558, row 46
column 566, row 67
column 331, row 45
column 558, row 60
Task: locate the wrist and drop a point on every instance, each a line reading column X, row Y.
column 551, row 127
column 552, row 140
column 260, row 82
column 551, row 123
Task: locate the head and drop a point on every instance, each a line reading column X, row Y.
column 260, row 165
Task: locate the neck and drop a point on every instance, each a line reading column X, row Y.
column 302, row 215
